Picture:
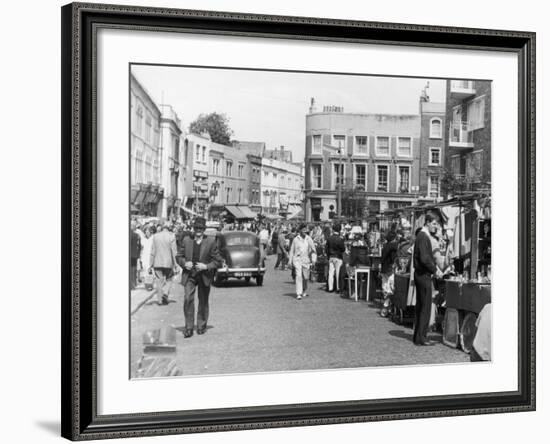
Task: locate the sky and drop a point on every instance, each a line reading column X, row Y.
column 270, row 107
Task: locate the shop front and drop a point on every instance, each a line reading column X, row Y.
column 145, row 198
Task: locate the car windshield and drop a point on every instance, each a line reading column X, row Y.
column 240, row 239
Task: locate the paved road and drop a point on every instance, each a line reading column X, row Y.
column 265, row 329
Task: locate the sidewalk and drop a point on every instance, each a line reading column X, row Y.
column 139, row 297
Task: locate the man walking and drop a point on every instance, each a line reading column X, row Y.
column 335, row 251
column 199, row 257
column 163, row 260
column 302, row 257
column 424, row 268
column 135, row 252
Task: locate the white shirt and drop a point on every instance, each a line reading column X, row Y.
column 264, row 236
column 301, row 251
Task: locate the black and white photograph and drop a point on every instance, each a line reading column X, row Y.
column 285, row 221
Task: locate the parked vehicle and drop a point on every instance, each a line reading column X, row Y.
column 241, row 257
column 212, row 228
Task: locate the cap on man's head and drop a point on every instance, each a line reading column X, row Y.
column 200, row 222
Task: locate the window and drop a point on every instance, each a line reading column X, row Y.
column 216, row 167
column 361, row 146
column 455, row 165
column 240, row 194
column 382, row 147
column 241, row 169
column 433, row 186
column 228, row 168
column 404, row 146
column 338, row 174
column 404, row 179
column 317, row 146
column 198, row 153
column 435, row 128
column 473, row 165
column 339, row 142
column 435, row 156
column 382, row 172
column 316, row 177
column 148, row 128
column 139, row 167
column 203, row 154
column 139, row 120
column 289, row 180
column 476, row 113
column 361, row 175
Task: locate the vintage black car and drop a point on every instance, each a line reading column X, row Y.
column 241, row 257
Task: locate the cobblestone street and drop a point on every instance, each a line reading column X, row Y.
column 265, row 329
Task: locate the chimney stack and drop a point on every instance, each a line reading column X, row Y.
column 312, row 107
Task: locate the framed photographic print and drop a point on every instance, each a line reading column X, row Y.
column 278, row 221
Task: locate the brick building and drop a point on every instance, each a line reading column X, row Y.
column 375, row 155
column 432, row 148
column 468, row 133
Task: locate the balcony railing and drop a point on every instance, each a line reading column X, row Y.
column 463, row 88
column 460, row 135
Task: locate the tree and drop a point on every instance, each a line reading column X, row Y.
column 217, row 125
column 452, row 184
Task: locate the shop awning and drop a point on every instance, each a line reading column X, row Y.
column 297, row 215
column 247, row 212
column 235, row 211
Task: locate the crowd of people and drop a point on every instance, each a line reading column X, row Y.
column 323, row 252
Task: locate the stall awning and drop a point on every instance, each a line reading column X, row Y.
column 247, row 212
column 297, row 215
column 235, row 211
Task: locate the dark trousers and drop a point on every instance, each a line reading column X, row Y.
column 423, row 284
column 133, row 272
column 189, row 303
column 281, row 260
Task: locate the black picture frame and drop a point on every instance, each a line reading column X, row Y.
column 80, row 22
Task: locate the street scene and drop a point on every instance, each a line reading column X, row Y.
column 285, row 221
column 268, row 331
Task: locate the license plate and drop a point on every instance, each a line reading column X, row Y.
column 243, row 274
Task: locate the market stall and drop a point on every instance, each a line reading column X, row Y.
column 466, row 245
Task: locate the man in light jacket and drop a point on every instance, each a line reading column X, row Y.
column 163, row 261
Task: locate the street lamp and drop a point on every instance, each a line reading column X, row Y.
column 339, row 184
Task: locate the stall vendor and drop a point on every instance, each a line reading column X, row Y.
column 424, row 268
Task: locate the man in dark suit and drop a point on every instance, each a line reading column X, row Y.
column 199, row 257
column 424, row 268
column 135, row 252
column 335, row 251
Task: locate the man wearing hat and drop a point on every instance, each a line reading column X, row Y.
column 199, row 257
